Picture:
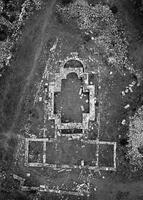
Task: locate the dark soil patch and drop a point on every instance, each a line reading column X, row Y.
column 140, row 149
column 3, row 32
column 114, row 9
column 123, row 141
column 66, row 2
column 73, row 64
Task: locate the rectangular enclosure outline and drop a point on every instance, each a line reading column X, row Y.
column 44, row 164
column 114, row 155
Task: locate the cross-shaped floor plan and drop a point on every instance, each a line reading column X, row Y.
column 70, row 102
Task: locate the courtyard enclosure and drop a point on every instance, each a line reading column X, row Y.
column 71, row 106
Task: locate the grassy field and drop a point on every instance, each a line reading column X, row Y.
column 19, row 84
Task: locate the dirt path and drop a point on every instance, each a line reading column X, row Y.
column 37, row 55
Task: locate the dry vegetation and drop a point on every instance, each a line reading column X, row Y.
column 12, row 18
column 136, row 139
